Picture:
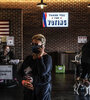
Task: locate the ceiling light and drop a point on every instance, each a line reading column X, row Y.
column 88, row 5
column 42, row 5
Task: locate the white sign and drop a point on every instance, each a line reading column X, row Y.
column 55, row 19
column 0, row 40
column 6, row 72
column 10, row 41
column 82, row 39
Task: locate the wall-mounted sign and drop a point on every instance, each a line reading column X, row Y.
column 10, row 41
column 3, row 39
column 6, row 72
column 55, row 19
column 0, row 40
column 82, row 39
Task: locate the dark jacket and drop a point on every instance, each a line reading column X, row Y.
column 9, row 56
column 86, row 53
column 41, row 69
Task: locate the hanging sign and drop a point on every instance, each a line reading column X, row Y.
column 55, row 19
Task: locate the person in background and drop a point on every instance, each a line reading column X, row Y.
column 40, row 66
column 78, row 64
column 6, row 55
column 85, row 60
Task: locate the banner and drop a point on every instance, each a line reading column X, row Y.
column 55, row 19
column 6, row 72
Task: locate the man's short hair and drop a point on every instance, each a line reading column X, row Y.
column 40, row 37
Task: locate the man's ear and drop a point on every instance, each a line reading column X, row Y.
column 43, row 46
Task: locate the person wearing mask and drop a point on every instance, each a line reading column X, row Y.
column 39, row 64
column 6, row 55
column 78, row 64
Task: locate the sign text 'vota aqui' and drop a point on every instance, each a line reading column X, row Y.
column 55, row 19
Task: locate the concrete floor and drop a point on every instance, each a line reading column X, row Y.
column 62, row 89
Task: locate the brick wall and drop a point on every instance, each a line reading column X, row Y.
column 15, row 18
column 58, row 39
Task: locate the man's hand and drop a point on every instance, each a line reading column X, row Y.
column 27, row 84
column 41, row 52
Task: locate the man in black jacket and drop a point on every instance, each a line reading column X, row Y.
column 85, row 60
column 40, row 64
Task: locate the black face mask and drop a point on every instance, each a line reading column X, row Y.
column 35, row 49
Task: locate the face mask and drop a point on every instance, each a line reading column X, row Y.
column 35, row 49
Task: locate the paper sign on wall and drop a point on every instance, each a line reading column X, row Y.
column 0, row 40
column 82, row 39
column 3, row 39
column 6, row 72
column 10, row 41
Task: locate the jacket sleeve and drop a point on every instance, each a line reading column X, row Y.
column 24, row 65
column 12, row 56
column 44, row 65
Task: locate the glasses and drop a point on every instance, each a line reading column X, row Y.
column 34, row 44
